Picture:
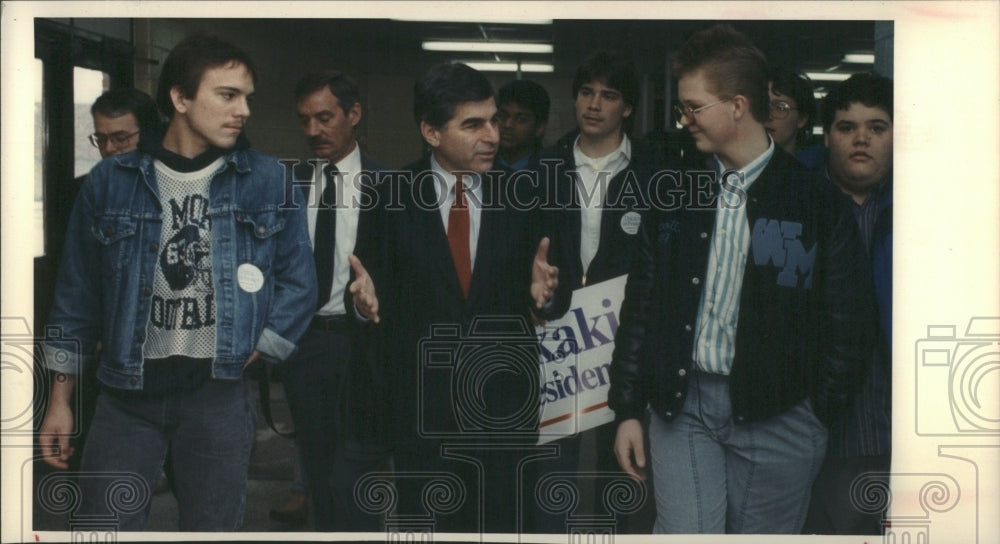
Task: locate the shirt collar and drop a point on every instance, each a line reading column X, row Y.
column 750, row 171
column 599, row 163
column 350, row 165
column 470, row 181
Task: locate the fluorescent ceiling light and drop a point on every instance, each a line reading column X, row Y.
column 458, row 18
column 827, row 76
column 859, row 58
column 510, row 67
column 489, row 47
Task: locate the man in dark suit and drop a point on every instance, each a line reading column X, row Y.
column 458, row 270
column 331, row 382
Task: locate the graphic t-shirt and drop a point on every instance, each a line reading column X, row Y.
column 182, row 311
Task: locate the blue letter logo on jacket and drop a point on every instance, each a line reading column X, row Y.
column 778, row 242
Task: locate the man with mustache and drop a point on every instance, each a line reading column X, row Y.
column 330, row 382
column 857, row 129
column 184, row 262
column 458, row 268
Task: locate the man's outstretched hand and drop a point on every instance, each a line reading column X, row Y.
column 363, row 290
column 544, row 277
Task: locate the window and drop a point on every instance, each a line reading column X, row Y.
column 87, row 86
column 38, row 213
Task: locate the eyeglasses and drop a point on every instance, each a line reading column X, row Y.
column 687, row 111
column 118, row 139
column 779, row 109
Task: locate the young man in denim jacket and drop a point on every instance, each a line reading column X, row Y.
column 185, row 263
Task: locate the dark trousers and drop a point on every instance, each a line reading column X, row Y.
column 459, row 486
column 832, row 509
column 315, row 382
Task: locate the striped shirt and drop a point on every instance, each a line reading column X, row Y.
column 718, row 312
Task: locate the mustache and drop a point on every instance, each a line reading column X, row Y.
column 318, row 140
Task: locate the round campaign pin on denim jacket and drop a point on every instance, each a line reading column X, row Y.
column 104, row 289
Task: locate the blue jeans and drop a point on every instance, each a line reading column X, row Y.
column 713, row 476
column 209, row 432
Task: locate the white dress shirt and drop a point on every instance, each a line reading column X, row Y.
column 592, row 180
column 348, row 209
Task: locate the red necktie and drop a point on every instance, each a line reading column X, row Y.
column 458, row 237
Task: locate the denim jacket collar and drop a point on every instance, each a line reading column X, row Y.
column 138, row 159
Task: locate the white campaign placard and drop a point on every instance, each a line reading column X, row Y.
column 576, row 361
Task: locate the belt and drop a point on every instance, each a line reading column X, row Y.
column 338, row 323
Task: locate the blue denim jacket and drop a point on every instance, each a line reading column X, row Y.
column 104, row 288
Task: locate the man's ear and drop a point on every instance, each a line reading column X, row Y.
column 354, row 114
column 431, row 134
column 540, row 130
column 741, row 106
column 178, row 99
column 826, row 139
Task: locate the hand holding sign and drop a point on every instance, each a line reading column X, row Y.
column 544, row 277
column 363, row 290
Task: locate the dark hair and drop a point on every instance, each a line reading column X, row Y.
column 118, row 102
column 732, row 65
column 868, row 88
column 617, row 72
column 799, row 88
column 526, row 94
column 445, row 86
column 340, row 84
column 188, row 61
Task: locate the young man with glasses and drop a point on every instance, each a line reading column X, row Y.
column 120, row 115
column 793, row 109
column 742, row 324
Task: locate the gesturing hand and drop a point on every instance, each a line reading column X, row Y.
column 544, row 277
column 363, row 290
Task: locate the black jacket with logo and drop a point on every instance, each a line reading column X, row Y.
column 624, row 203
column 805, row 318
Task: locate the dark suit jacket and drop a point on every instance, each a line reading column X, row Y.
column 805, row 311
column 362, row 395
column 626, row 199
column 427, row 320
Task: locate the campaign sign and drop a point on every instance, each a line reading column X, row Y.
column 576, row 361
